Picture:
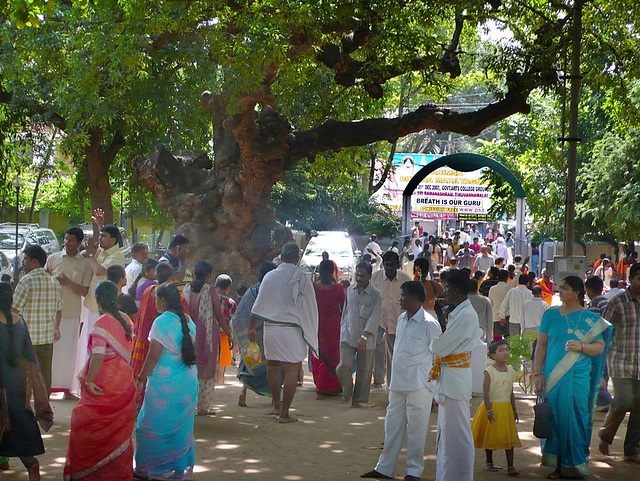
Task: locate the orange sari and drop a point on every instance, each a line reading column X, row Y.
column 547, row 290
column 146, row 315
column 100, row 445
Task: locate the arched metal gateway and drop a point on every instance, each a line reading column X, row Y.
column 466, row 162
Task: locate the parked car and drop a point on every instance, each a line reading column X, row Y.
column 87, row 230
column 5, row 265
column 340, row 246
column 28, row 234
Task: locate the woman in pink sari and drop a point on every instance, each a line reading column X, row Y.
column 100, row 445
column 330, row 298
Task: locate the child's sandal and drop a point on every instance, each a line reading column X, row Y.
column 492, row 468
column 512, row 471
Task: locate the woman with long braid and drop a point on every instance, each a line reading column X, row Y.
column 17, row 363
column 100, row 445
column 165, row 446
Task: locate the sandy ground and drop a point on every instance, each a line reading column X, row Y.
column 332, row 442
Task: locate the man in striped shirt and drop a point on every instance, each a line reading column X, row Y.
column 623, row 311
column 37, row 298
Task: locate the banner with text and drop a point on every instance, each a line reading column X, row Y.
column 444, row 194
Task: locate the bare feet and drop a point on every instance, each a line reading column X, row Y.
column 206, row 413
column 633, row 459
column 34, row 471
column 273, row 412
column 344, row 400
column 287, row 419
column 603, row 447
column 5, row 466
column 242, row 400
column 554, row 475
column 355, row 405
column 512, row 471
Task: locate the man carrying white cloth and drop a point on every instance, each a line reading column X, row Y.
column 287, row 305
column 410, row 392
column 452, row 372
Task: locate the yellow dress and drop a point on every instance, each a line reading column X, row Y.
column 501, row 434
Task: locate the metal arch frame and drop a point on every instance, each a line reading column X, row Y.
column 468, row 162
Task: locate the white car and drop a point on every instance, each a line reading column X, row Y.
column 5, row 265
column 341, row 248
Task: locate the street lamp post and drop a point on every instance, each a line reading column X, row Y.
column 17, row 183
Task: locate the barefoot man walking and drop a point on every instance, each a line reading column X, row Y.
column 287, row 305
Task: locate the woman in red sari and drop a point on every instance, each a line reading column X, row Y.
column 100, row 445
column 330, row 298
column 146, row 315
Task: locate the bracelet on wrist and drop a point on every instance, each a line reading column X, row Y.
column 582, row 346
column 537, row 374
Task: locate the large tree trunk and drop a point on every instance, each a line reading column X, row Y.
column 222, row 207
column 98, row 162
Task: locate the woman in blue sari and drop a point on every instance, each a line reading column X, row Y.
column 569, row 360
column 165, row 446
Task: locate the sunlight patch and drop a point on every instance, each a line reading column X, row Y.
column 227, row 446
column 200, row 469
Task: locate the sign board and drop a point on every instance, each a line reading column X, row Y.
column 445, row 194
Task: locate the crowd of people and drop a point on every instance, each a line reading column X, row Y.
column 143, row 353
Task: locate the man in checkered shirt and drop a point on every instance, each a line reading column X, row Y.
column 623, row 311
column 37, row 298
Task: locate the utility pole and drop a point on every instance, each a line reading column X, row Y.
column 572, row 157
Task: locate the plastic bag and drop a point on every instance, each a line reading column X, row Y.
column 253, row 356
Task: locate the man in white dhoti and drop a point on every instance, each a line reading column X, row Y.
column 410, row 392
column 72, row 270
column 452, row 372
column 287, row 305
column 100, row 258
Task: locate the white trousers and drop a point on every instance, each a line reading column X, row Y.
column 64, row 354
column 408, row 412
column 82, row 353
column 454, row 447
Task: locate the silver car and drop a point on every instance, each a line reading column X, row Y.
column 28, row 235
column 341, row 248
column 5, row 265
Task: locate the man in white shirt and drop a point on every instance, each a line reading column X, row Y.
column 532, row 311
column 500, row 248
column 358, row 330
column 73, row 272
column 615, row 289
column 410, row 392
column 512, row 304
column 139, row 254
column 452, row 372
column 496, row 295
column 483, row 261
column 388, row 281
column 373, row 248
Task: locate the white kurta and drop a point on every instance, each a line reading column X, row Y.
column 454, row 448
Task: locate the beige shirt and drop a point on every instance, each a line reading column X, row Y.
column 111, row 257
column 496, row 295
column 78, row 270
column 390, row 292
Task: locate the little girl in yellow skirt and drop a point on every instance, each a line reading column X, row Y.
column 494, row 424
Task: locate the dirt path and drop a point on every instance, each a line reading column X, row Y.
column 333, row 442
